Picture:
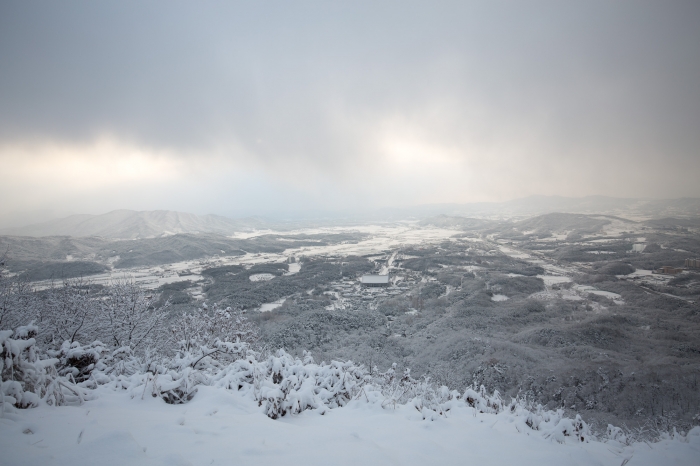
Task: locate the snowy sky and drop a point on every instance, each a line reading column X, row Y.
column 243, row 107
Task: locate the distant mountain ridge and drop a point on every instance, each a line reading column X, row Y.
column 539, row 205
column 130, row 224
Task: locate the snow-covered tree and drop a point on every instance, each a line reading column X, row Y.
column 17, row 299
column 128, row 316
column 205, row 333
column 69, row 312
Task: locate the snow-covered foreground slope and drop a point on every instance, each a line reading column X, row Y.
column 225, row 427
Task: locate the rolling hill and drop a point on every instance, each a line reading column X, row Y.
column 130, row 224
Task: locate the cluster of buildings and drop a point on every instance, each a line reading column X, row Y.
column 668, row 270
column 692, row 263
column 689, row 264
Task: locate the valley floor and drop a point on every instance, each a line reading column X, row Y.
column 223, row 427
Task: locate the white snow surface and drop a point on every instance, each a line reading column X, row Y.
column 514, row 253
column 550, row 280
column 223, row 427
column 608, row 294
column 261, row 277
column 267, row 307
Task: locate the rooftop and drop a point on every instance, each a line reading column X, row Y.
column 374, row 279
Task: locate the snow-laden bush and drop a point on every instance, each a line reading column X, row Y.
column 27, row 378
column 212, row 336
column 280, row 383
column 290, row 385
column 424, row 395
column 553, row 424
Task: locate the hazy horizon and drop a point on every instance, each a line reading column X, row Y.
column 245, row 109
column 630, row 208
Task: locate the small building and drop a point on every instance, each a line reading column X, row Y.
column 638, row 247
column 375, row 280
column 668, row 270
column 692, row 263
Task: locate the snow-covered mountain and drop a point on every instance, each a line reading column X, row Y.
column 130, row 224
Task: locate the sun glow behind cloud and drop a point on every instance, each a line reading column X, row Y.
column 83, row 167
column 82, row 173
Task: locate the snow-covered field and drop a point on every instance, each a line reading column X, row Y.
column 381, row 238
column 223, row 427
column 261, row 277
column 267, row 307
column 550, row 280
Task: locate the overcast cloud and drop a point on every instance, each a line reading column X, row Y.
column 266, row 107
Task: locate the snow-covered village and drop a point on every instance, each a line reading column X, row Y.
column 316, row 233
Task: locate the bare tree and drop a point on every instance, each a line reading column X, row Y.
column 17, row 299
column 70, row 312
column 129, row 317
column 16, row 303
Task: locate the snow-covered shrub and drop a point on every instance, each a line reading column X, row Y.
column 423, row 394
column 205, row 342
column 553, row 424
column 291, row 385
column 483, row 402
column 281, row 384
column 27, row 378
column 18, row 372
column 616, row 434
column 177, row 387
column 214, row 334
column 566, row 427
column 79, row 361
